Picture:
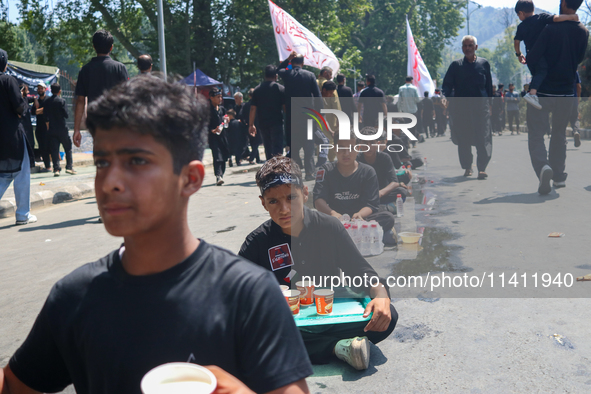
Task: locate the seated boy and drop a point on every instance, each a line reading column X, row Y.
column 528, row 31
column 315, row 245
column 388, row 182
column 164, row 296
column 349, row 187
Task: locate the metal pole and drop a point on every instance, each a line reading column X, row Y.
column 467, row 15
column 161, row 43
column 355, row 79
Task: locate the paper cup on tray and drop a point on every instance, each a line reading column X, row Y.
column 324, row 301
column 307, row 292
column 179, row 378
column 293, row 300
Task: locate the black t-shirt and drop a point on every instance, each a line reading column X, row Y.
column 384, row 170
column 347, row 194
column 529, row 30
column 100, row 74
column 269, row 98
column 41, row 117
column 563, row 45
column 103, row 329
column 322, row 248
column 56, row 114
column 347, row 102
column 428, row 108
column 373, row 107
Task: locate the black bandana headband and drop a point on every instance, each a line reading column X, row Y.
column 281, row 179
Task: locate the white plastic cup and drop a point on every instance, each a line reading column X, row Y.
column 178, row 378
column 283, row 288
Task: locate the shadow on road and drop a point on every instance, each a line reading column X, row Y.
column 67, row 223
column 588, row 188
column 458, row 179
column 530, row 198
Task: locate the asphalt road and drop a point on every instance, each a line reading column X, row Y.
column 463, row 339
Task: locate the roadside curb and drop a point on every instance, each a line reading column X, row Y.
column 48, row 197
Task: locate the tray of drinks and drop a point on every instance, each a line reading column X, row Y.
column 344, row 310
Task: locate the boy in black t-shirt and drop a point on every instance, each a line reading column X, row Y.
column 164, row 296
column 315, row 245
column 528, row 31
column 388, row 182
column 349, row 187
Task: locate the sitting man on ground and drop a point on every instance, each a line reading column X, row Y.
column 349, row 187
column 163, row 296
column 388, row 182
column 314, row 245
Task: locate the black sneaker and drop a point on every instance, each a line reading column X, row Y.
column 545, row 177
column 389, row 238
column 577, row 137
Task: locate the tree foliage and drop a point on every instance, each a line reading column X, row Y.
column 232, row 40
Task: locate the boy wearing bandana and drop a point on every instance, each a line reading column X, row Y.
column 316, row 245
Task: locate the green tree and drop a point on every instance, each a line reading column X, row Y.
column 506, row 64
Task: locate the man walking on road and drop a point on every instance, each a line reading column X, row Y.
column 299, row 83
column 512, row 100
column 376, row 103
column 408, row 98
column 563, row 47
column 41, row 128
column 100, row 74
column 345, row 96
column 470, row 77
column 427, row 116
column 267, row 104
column 16, row 156
column 56, row 115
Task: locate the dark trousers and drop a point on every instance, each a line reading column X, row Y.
column 43, row 142
column 539, row 73
column 321, row 345
column 513, row 116
column 55, row 139
column 384, row 219
column 219, row 167
column 538, row 124
column 429, row 126
column 441, row 123
column 272, row 140
column 574, row 116
column 254, row 147
column 466, row 157
column 298, row 143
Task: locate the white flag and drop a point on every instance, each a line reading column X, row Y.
column 416, row 67
column 290, row 36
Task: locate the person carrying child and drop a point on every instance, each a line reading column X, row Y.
column 528, row 31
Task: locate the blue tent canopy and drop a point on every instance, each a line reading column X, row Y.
column 198, row 78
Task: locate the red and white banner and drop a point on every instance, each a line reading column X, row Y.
column 290, row 36
column 416, row 67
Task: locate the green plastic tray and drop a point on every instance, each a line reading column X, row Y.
column 344, row 310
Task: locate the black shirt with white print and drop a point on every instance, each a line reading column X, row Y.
column 323, row 248
column 103, row 329
column 347, row 194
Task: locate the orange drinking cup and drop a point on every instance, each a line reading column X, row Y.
column 307, row 292
column 324, row 301
column 293, row 300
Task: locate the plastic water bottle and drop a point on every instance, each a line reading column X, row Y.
column 374, row 239
column 365, row 240
column 399, row 206
column 355, row 235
